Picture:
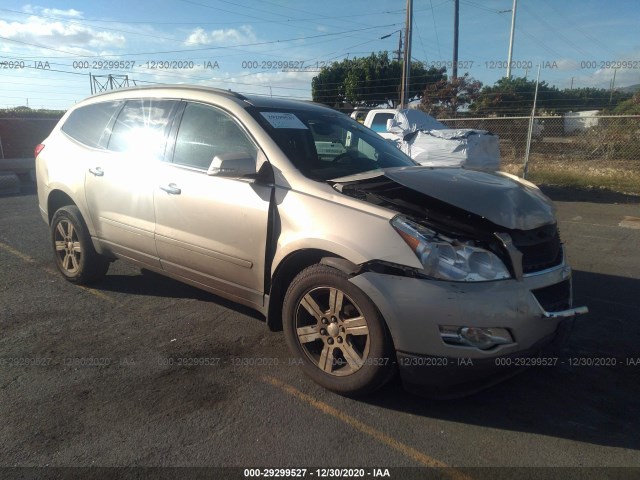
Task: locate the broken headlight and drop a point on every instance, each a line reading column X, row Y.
column 448, row 259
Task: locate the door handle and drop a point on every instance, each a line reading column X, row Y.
column 96, row 172
column 171, row 188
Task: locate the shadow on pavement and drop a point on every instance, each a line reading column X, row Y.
column 152, row 284
column 594, row 404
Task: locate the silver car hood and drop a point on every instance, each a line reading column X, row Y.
column 501, row 198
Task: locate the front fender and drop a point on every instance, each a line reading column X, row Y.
column 309, row 222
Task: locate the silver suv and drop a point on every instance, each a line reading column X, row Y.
column 370, row 263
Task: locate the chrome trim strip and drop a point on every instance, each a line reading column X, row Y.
column 572, row 312
column 514, row 254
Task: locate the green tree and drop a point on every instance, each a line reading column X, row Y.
column 514, row 97
column 446, row 96
column 629, row 107
column 369, row 81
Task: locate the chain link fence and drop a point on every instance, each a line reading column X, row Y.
column 584, row 150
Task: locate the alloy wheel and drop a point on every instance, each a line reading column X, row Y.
column 68, row 247
column 332, row 331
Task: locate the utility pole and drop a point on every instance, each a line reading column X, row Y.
column 399, row 51
column 513, row 28
column 406, row 66
column 532, row 120
column 456, row 21
column 613, row 84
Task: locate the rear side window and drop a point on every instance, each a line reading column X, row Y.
column 142, row 128
column 89, row 125
column 206, row 132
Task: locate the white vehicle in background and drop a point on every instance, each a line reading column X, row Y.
column 359, row 115
column 432, row 143
column 376, row 120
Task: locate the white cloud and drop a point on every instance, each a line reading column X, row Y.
column 567, row 64
column 54, row 12
column 602, row 78
column 229, row 36
column 59, row 35
column 197, row 37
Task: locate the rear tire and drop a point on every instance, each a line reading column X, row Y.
column 337, row 332
column 76, row 258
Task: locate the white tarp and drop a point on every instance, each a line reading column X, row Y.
column 408, row 121
column 580, row 121
column 431, row 143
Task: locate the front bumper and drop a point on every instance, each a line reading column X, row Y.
column 415, row 308
column 443, row 378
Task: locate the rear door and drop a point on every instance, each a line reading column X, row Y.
column 212, row 230
column 119, row 185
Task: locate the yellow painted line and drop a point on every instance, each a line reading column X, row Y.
column 630, row 222
column 28, row 259
column 16, row 253
column 406, row 450
column 97, row 293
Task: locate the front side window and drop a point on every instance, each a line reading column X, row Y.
column 90, row 124
column 325, row 145
column 142, row 128
column 206, row 132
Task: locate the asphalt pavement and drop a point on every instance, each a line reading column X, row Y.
column 142, row 371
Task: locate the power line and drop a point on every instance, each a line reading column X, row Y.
column 567, row 18
column 201, row 49
column 75, row 22
column 236, row 22
column 556, row 31
column 435, row 29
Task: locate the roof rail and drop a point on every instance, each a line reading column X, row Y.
column 229, row 92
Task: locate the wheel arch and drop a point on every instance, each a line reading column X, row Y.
column 59, row 196
column 56, row 200
column 288, row 268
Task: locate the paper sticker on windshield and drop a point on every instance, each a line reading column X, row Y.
column 283, row 120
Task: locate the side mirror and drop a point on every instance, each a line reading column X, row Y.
column 393, row 126
column 232, row 165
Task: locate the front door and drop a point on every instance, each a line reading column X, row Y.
column 212, row 230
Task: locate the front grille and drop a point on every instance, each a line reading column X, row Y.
column 541, row 248
column 554, row 298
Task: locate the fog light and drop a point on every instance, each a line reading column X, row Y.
column 479, row 337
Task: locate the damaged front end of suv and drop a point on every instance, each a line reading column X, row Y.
column 494, row 287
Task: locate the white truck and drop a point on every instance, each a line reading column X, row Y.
column 431, row 142
column 376, row 120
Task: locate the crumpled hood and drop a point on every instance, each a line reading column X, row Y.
column 499, row 197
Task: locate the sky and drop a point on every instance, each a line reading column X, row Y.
column 275, row 47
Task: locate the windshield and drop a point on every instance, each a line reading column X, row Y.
column 325, row 145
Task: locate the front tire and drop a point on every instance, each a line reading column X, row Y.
column 337, row 332
column 76, row 258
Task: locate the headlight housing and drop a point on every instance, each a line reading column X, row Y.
column 447, row 259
